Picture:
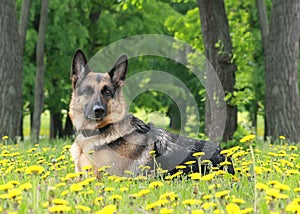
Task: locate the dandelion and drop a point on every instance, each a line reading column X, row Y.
column 76, row 188
column 170, row 196
column 109, row 209
column 232, row 208
column 59, row 209
column 109, row 189
column 83, row 208
column 155, row 184
column 190, row 162
column 261, row 186
column 5, row 137
column 282, row 186
column 6, row 187
column 247, row 210
column 35, row 170
column 25, row 186
column 247, row 138
column 221, row 194
column 198, row 154
column 98, row 200
column 166, row 211
column 191, row 202
column 180, row 167
column 86, row 168
column 281, row 137
column 197, row 212
column 13, row 193
column 293, row 207
column 59, row 201
column 208, row 205
column 115, row 197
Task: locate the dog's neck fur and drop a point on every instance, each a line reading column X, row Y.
column 119, row 128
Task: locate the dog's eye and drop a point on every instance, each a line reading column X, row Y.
column 106, row 91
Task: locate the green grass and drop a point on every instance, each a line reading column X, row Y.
column 270, row 184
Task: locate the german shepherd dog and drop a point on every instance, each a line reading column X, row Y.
column 107, row 135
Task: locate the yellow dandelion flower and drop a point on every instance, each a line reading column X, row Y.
column 103, row 168
column 25, row 186
column 222, row 193
column 14, row 193
column 5, row 137
column 247, row 210
column 152, row 152
column 155, row 184
column 6, row 187
column 109, row 189
column 124, row 189
column 170, row 196
column 87, row 167
column 35, row 170
column 76, row 188
column 261, row 186
column 232, row 208
column 65, row 192
column 59, row 209
column 281, row 186
column 225, row 163
column 180, row 167
column 207, row 197
column 83, row 208
column 293, row 148
column 191, row 202
column 208, row 205
column 98, row 200
column 59, row 201
column 13, row 182
column 45, row 204
column 247, row 138
column 297, row 189
column 281, row 137
column 197, row 212
column 238, row 201
column 198, row 154
column 293, row 207
column 67, row 147
column 115, row 197
column 190, row 162
column 166, row 211
column 109, row 209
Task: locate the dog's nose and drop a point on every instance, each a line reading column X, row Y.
column 99, row 111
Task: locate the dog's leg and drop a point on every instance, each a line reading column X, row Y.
column 76, row 152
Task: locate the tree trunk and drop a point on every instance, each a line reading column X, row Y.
column 263, row 21
column 10, row 71
column 68, row 130
column 281, row 77
column 56, row 129
column 218, row 46
column 23, row 25
column 40, row 72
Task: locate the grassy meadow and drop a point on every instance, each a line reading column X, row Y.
column 40, row 179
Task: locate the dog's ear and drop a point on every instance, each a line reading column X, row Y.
column 79, row 67
column 119, row 71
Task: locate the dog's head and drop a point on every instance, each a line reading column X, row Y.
column 97, row 99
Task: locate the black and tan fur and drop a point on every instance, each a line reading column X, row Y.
column 109, row 136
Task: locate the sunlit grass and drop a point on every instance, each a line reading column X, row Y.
column 41, row 179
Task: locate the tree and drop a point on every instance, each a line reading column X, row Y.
column 218, row 46
column 40, row 72
column 281, row 71
column 23, row 25
column 10, row 71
